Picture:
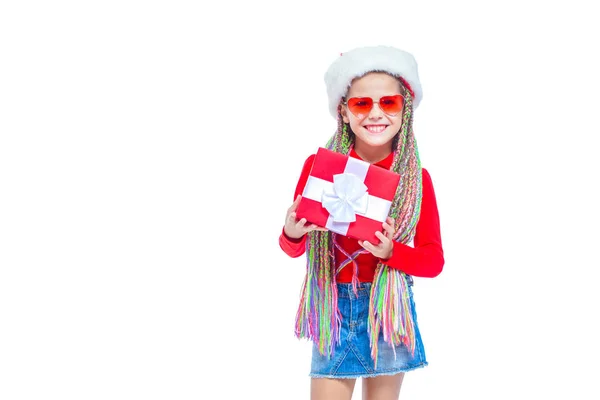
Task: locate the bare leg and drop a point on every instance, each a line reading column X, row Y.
column 331, row 389
column 385, row 387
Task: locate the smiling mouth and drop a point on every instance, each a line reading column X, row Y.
column 375, row 128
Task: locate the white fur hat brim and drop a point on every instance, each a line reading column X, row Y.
column 360, row 61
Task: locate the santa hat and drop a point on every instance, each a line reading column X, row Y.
column 360, row 61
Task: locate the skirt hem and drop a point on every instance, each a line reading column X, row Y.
column 367, row 375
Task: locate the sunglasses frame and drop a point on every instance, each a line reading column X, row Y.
column 345, row 102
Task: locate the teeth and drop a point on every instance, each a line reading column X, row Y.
column 376, row 128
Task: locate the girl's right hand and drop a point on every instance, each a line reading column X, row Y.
column 296, row 229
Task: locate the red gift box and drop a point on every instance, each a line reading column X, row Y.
column 347, row 196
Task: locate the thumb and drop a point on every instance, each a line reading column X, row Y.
column 295, row 204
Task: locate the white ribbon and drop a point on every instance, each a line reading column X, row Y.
column 323, row 191
column 348, row 197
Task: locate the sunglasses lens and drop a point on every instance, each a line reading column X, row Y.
column 391, row 105
column 360, row 106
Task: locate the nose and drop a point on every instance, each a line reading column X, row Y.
column 376, row 112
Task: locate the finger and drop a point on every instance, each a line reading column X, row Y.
column 389, row 231
column 312, row 227
column 301, row 223
column 291, row 218
column 367, row 245
column 294, row 205
column 392, row 223
column 384, row 239
column 387, row 227
column 316, row 229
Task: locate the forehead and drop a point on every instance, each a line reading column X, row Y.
column 374, row 84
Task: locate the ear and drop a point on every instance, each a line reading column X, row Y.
column 344, row 113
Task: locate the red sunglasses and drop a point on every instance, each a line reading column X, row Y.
column 361, row 106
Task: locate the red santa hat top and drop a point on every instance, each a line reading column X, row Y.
column 360, row 61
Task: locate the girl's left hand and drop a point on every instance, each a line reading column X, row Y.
column 386, row 245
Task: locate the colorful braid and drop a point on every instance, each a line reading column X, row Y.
column 390, row 308
column 318, row 317
column 390, row 311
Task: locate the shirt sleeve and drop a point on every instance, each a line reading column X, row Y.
column 426, row 258
column 297, row 247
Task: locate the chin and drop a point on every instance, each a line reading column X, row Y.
column 376, row 141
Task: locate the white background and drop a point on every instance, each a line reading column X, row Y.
column 149, row 151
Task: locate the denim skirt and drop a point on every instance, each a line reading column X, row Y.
column 352, row 356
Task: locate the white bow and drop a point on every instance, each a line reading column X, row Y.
column 349, row 197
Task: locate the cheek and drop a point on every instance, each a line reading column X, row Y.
column 397, row 122
column 355, row 124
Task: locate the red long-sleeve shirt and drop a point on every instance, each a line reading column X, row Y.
column 425, row 259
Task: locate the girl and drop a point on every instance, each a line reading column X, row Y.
column 362, row 318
